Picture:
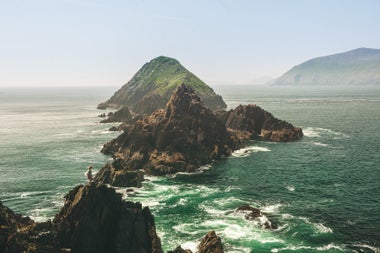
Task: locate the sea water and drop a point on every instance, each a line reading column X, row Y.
column 321, row 193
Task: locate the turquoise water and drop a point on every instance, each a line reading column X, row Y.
column 322, row 192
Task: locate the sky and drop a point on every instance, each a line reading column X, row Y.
column 105, row 42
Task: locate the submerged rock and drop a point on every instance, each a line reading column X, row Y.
column 252, row 213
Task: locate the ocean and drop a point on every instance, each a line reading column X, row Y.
column 322, row 193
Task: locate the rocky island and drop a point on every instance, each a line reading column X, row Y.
column 184, row 136
column 151, row 87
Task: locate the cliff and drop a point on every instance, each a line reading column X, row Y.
column 357, row 67
column 94, row 219
column 151, row 87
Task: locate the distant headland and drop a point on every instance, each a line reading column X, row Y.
column 356, row 67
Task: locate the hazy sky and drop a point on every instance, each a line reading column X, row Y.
column 104, row 42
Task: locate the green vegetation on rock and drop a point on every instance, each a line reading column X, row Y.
column 151, row 87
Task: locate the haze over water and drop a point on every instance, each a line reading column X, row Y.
column 322, row 192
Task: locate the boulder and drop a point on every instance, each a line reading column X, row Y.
column 211, row 243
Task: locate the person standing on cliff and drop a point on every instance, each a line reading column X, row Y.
column 89, row 174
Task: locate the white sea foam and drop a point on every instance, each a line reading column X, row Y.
column 315, row 132
column 302, row 247
column 320, row 144
column 243, row 152
column 271, row 208
column 366, row 246
column 322, row 228
column 191, row 245
column 319, row 227
column 291, row 188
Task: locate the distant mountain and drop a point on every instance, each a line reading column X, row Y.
column 357, row 67
column 151, row 87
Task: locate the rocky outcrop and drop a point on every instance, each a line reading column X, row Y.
column 151, row 87
column 182, row 137
column 121, row 115
column 120, row 173
column 259, row 123
column 254, row 214
column 210, row 243
column 21, row 234
column 94, row 219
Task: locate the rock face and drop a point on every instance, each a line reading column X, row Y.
column 259, row 123
column 151, row 87
column 119, row 173
column 94, row 219
column 356, row 67
column 182, row 137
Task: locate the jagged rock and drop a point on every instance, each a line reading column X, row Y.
column 211, row 243
column 102, row 115
column 252, row 213
column 96, row 219
column 182, row 137
column 259, row 123
column 151, row 87
column 21, row 234
column 120, row 174
column 121, row 115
